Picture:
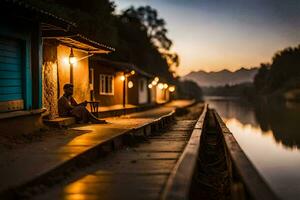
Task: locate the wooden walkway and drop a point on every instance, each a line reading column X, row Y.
column 133, row 173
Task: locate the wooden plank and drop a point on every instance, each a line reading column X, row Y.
column 9, row 42
column 10, row 67
column 10, row 82
column 8, row 97
column 10, row 60
column 10, row 74
column 254, row 183
column 178, row 184
column 12, row 54
column 10, row 90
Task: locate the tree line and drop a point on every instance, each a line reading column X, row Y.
column 281, row 75
column 139, row 35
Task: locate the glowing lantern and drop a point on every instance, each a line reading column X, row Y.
column 130, row 84
column 154, row 83
column 150, row 86
column 132, row 72
column 72, row 58
column 161, row 86
column 156, row 79
column 122, row 78
column 166, row 86
column 172, row 88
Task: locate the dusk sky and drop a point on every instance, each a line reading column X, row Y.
column 212, row 35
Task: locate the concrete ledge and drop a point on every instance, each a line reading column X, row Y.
column 21, row 113
column 61, row 122
column 21, row 122
column 180, row 179
column 68, row 121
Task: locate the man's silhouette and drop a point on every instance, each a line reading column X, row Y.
column 68, row 107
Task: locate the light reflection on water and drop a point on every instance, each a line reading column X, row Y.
column 269, row 135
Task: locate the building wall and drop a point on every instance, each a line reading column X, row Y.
column 153, row 94
column 133, row 93
column 49, row 77
column 107, row 100
column 80, row 73
column 20, row 89
column 162, row 95
column 56, row 73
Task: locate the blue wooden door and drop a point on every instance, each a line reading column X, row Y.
column 11, row 70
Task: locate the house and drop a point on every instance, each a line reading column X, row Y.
column 119, row 83
column 39, row 53
column 21, row 27
column 160, row 91
column 66, row 60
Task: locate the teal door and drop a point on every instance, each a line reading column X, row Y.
column 11, row 70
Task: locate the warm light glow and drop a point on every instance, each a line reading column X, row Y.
column 132, row 72
column 150, row 86
column 156, row 79
column 172, row 88
column 73, row 60
column 154, row 83
column 130, row 84
column 65, row 60
column 161, row 86
column 122, row 78
column 166, row 86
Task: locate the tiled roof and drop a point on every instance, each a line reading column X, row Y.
column 59, row 28
column 22, row 4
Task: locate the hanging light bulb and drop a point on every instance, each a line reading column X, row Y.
column 72, row 58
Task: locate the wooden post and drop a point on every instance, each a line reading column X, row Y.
column 71, row 73
column 124, row 92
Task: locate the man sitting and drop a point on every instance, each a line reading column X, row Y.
column 68, row 107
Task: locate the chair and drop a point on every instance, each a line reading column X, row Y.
column 94, row 105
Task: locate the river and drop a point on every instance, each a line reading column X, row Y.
column 269, row 135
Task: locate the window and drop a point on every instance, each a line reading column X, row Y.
column 106, row 84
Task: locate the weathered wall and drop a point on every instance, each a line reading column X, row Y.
column 49, row 79
column 80, row 73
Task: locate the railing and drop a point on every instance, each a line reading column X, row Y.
column 246, row 182
column 180, row 179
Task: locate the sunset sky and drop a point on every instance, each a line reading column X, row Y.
column 212, row 35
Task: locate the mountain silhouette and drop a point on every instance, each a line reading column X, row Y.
column 221, row 78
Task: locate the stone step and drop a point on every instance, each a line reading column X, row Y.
column 61, row 122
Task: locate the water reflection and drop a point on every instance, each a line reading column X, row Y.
column 267, row 132
column 281, row 119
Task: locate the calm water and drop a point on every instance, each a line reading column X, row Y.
column 269, row 134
